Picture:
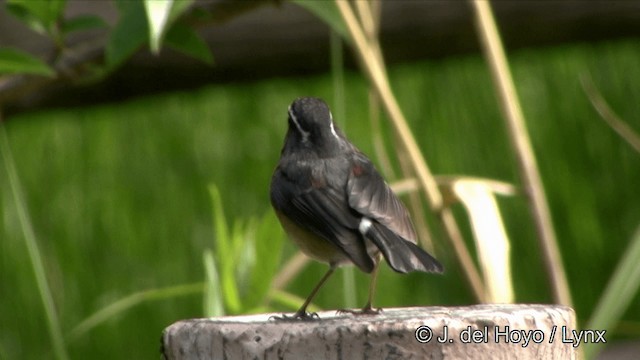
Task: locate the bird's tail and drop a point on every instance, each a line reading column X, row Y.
column 402, row 255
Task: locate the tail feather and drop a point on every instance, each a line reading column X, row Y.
column 402, row 255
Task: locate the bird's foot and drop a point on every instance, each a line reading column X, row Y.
column 298, row 316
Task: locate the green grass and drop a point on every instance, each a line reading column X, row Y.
column 119, row 195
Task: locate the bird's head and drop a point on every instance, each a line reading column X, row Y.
column 311, row 127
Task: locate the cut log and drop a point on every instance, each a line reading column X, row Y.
column 473, row 332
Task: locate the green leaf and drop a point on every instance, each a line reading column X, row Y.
column 187, row 41
column 179, row 8
column 622, row 288
column 26, row 17
column 120, row 306
column 40, row 16
column 247, row 257
column 128, row 35
column 14, row 61
column 161, row 15
column 157, row 17
column 219, row 223
column 213, row 302
column 83, row 22
column 268, row 245
column 328, row 12
column 224, row 254
column 243, row 240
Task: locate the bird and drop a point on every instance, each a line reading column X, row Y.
column 336, row 207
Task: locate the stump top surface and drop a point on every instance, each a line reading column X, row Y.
column 398, row 314
column 490, row 331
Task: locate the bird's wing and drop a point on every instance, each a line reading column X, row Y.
column 370, row 195
column 324, row 211
column 386, row 222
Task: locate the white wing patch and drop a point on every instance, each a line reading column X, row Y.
column 365, row 225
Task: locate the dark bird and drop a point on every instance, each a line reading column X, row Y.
column 334, row 204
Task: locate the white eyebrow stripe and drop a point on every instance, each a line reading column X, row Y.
column 305, row 134
column 333, row 130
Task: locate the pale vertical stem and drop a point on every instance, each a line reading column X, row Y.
column 370, row 25
column 337, row 69
column 369, row 15
column 375, row 73
column 374, row 70
column 512, row 112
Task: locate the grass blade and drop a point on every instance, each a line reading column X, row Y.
column 224, row 252
column 55, row 331
column 128, row 302
column 213, row 302
column 617, row 296
column 608, row 115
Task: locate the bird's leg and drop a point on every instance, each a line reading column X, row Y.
column 368, row 308
column 302, row 313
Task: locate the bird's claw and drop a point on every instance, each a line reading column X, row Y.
column 298, row 316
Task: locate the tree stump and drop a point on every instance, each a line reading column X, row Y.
column 498, row 331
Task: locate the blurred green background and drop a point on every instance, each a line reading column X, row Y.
column 118, row 193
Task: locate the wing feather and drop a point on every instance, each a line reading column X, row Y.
column 390, row 227
column 370, row 195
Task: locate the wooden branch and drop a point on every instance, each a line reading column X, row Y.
column 472, row 332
